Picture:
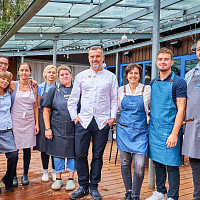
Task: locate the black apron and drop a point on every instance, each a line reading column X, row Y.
column 63, row 142
column 40, row 137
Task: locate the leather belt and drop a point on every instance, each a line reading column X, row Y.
column 122, row 124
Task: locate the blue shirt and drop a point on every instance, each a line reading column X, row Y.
column 5, row 116
column 179, row 87
column 189, row 74
column 41, row 88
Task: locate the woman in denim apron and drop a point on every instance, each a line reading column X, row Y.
column 50, row 74
column 132, row 131
column 59, row 129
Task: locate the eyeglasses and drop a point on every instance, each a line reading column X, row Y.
column 5, row 64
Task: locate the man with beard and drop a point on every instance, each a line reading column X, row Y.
column 97, row 90
column 191, row 142
column 167, row 111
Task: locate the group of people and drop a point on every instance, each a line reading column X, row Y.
column 60, row 120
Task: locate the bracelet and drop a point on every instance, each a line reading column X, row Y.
column 46, row 129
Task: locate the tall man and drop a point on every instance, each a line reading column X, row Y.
column 191, row 142
column 167, row 111
column 97, row 90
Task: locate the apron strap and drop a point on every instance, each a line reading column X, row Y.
column 142, row 90
column 125, row 90
column 193, row 73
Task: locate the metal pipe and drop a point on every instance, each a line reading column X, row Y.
column 54, row 52
column 154, row 73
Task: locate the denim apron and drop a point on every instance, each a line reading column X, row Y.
column 63, row 143
column 40, row 138
column 191, row 142
column 132, row 131
column 162, row 117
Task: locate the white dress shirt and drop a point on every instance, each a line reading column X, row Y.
column 138, row 91
column 98, row 94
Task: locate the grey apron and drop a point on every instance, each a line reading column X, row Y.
column 7, row 141
column 40, row 138
column 191, row 142
column 63, row 142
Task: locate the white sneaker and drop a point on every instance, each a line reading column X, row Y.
column 70, row 185
column 45, row 177
column 57, row 185
column 157, row 196
column 53, row 175
column 170, row 198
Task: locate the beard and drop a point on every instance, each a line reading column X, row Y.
column 96, row 66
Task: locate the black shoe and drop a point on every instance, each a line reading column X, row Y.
column 81, row 192
column 25, row 180
column 9, row 189
column 15, row 182
column 128, row 196
column 95, row 194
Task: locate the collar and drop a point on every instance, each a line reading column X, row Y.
column 168, row 78
column 197, row 67
column 93, row 72
column 62, row 86
column 6, row 94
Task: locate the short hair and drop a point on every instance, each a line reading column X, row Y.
column 132, row 66
column 95, row 48
column 47, row 68
column 8, row 76
column 64, row 67
column 165, row 50
column 4, row 56
column 25, row 64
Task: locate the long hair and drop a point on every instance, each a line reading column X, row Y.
column 6, row 75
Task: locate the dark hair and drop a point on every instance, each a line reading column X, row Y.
column 25, row 64
column 132, row 66
column 3, row 56
column 8, row 76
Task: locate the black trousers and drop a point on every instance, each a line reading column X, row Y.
column 12, row 158
column 195, row 164
column 82, row 142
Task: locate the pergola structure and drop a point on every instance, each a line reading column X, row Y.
column 72, row 26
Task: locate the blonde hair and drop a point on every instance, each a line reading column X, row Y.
column 47, row 68
column 8, row 76
column 165, row 50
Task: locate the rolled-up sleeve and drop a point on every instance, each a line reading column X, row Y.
column 74, row 98
column 113, row 98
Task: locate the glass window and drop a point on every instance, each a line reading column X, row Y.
column 190, row 64
column 176, row 68
column 147, row 73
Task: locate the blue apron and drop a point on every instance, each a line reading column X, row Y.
column 162, row 117
column 63, row 143
column 132, row 131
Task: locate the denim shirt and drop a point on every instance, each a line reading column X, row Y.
column 5, row 116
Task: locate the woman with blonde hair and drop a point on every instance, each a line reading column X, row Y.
column 50, row 74
column 7, row 143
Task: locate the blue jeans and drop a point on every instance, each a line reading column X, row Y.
column 60, row 164
column 173, row 179
column 138, row 175
column 195, row 164
column 82, row 142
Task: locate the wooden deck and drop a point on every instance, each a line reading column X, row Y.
column 111, row 187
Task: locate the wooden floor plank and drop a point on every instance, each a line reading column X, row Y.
column 111, row 187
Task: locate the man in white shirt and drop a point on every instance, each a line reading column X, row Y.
column 97, row 90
